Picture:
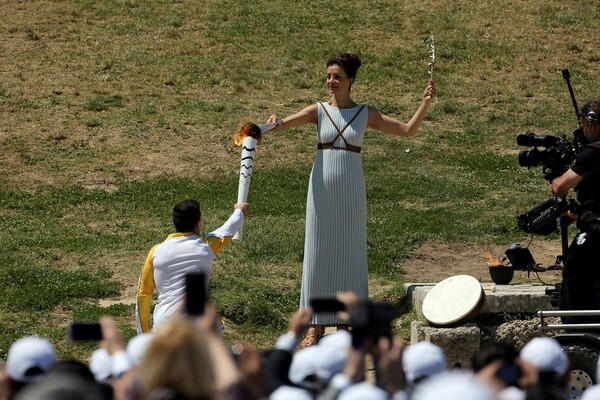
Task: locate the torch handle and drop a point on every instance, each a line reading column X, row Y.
column 242, row 198
column 246, row 164
column 264, row 128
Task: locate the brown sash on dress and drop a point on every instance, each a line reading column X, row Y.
column 329, row 145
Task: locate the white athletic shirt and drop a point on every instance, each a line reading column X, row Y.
column 168, row 263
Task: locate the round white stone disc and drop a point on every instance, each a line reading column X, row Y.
column 452, row 299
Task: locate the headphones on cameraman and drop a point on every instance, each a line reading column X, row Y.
column 590, row 116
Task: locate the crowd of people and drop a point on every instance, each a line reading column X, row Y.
column 187, row 358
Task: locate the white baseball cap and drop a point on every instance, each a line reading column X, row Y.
column 324, row 359
column 136, row 347
column 362, row 391
column 453, row 384
column 304, row 364
column 27, row 353
column 333, row 353
column 290, row 393
column 101, row 365
column 546, row 355
column 422, row 360
column 591, row 393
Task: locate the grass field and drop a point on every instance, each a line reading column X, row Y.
column 113, row 111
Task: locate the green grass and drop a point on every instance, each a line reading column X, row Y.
column 115, row 110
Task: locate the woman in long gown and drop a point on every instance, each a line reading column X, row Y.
column 335, row 247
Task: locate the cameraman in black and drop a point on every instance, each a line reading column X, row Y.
column 580, row 288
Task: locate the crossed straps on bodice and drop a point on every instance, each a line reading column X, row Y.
column 340, row 134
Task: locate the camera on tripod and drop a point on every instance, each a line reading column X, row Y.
column 556, row 158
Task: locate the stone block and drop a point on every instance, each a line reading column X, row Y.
column 458, row 343
column 498, row 298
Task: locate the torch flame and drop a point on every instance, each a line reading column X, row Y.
column 248, row 129
column 491, row 260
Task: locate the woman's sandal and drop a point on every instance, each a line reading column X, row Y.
column 312, row 336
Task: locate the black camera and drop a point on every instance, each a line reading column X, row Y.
column 556, row 157
column 371, row 321
column 541, row 219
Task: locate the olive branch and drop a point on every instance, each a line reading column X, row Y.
column 430, row 43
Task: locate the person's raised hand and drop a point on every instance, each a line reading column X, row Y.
column 530, row 373
column 390, row 364
column 299, row 321
column 355, row 363
column 244, row 207
column 250, row 365
column 429, row 93
column 208, row 322
column 112, row 338
column 4, row 382
column 350, row 301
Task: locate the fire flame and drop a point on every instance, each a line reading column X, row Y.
column 248, row 129
column 491, row 260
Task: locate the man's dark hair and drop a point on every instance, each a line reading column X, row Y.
column 591, row 111
column 493, row 351
column 186, row 214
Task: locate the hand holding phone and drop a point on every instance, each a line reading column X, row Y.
column 327, row 305
column 85, row 331
column 509, row 374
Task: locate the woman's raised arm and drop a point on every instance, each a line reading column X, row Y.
column 392, row 126
column 303, row 117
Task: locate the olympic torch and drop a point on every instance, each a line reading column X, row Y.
column 248, row 137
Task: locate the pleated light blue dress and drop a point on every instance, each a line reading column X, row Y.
column 335, row 247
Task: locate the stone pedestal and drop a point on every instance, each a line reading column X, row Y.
column 457, row 343
column 505, row 299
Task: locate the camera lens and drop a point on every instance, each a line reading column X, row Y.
column 529, row 158
column 531, row 139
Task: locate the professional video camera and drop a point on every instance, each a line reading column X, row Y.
column 556, row 158
column 558, row 154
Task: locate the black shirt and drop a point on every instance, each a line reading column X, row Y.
column 587, row 165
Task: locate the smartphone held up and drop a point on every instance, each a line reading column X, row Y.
column 326, row 305
column 85, row 332
column 196, row 289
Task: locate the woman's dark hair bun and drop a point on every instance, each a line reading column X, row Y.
column 349, row 62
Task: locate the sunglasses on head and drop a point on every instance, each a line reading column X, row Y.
column 590, row 116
